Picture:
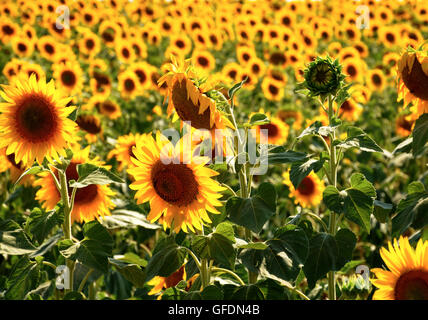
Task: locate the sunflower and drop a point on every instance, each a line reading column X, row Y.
column 275, row 132
column 178, row 186
column 7, row 162
column 257, row 67
column 110, row 109
column 22, row 46
column 404, row 125
column 8, row 30
column 100, row 83
column 89, row 44
column 272, row 90
column 407, row 278
column 413, row 75
column 292, row 117
column 308, row 193
column 47, row 47
column 124, row 51
column 33, row 68
column 350, row 110
column 231, row 71
column 354, row 68
column 375, row 80
column 189, row 100
column 128, row 84
column 91, row 125
column 90, row 202
column 69, row 77
column 203, row 60
column 34, row 121
column 123, row 150
column 181, row 43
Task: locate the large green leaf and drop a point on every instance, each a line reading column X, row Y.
column 248, row 292
column 322, row 258
column 217, row 245
column 300, row 169
column 359, row 139
column 253, row 212
column 410, row 209
column 15, row 242
column 420, row 134
column 132, row 272
column 127, row 219
column 166, row 261
column 317, row 128
column 92, row 174
column 346, row 242
column 93, row 251
column 24, row 277
column 288, row 156
column 41, row 223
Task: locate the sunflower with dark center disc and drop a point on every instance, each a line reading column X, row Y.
column 309, row 192
column 123, row 150
column 34, row 121
column 90, row 203
column 178, row 186
column 412, row 70
column 407, row 278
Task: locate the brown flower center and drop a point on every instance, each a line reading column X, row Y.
column 412, row 285
column 129, row 85
column 36, row 118
column 416, row 80
column 90, row 44
column 306, row 187
column 271, row 128
column 174, row 183
column 277, row 58
column 108, row 107
column 68, row 78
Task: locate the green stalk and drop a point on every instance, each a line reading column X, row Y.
column 333, row 176
column 67, row 221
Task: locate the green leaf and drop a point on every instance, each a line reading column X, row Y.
column 404, row 146
column 300, row 169
column 165, row 261
column 409, row 208
column 132, row 272
column 93, row 251
column 333, row 199
column 254, row 245
column 41, row 223
column 253, row 212
column 317, row 128
column 382, row 210
column 322, row 257
column 24, row 277
column 215, row 246
column 92, row 174
column 47, row 245
column 248, row 292
column 15, row 242
column 212, row 293
column 226, row 230
column 258, row 119
column 232, row 91
column 346, row 242
column 420, row 134
column 127, row 219
column 359, row 139
column 74, row 295
column 288, row 156
column 32, row 170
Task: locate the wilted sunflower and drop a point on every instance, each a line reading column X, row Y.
column 407, row 278
column 90, row 202
column 187, row 97
column 34, row 121
column 413, row 75
column 123, row 150
column 178, row 186
column 308, row 193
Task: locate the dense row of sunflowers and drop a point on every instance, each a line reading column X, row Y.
column 89, row 179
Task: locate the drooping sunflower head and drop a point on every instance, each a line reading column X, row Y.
column 178, row 186
column 323, row 76
column 407, row 277
column 34, row 121
column 412, row 70
column 90, row 202
column 191, row 96
column 309, row 192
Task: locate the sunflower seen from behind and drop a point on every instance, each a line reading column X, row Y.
column 407, row 277
column 179, row 187
column 34, row 121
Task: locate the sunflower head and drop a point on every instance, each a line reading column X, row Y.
column 34, row 121
column 412, row 70
column 407, row 277
column 323, row 76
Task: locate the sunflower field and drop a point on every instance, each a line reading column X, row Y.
column 213, row 150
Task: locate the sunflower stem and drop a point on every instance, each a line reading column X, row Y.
column 333, row 177
column 233, row 274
